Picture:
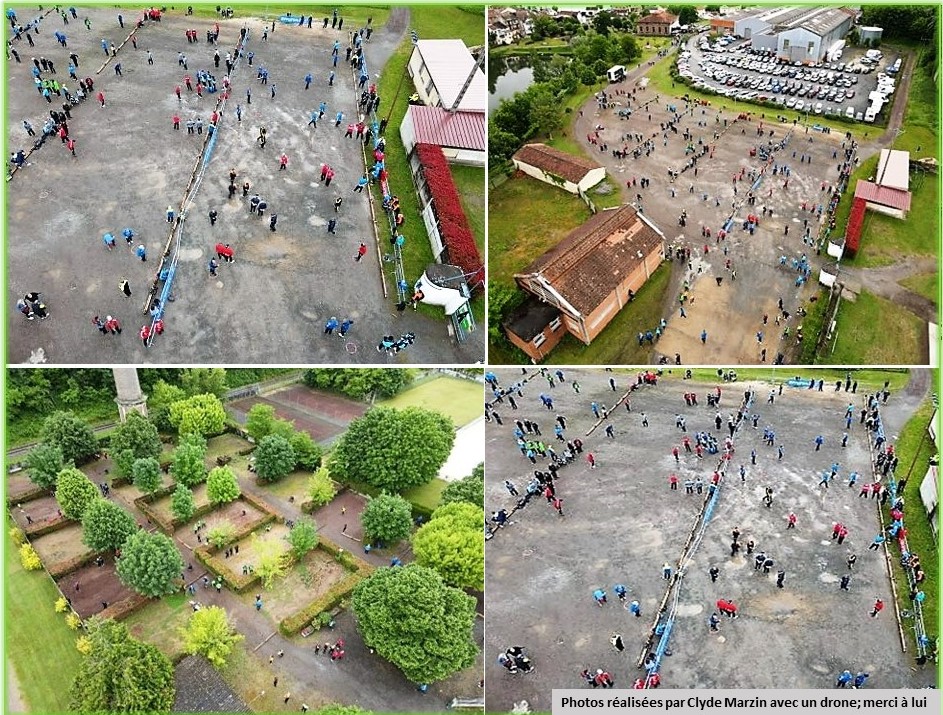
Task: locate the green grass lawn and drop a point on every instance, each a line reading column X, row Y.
column 925, row 284
column 921, row 119
column 875, row 331
column 158, row 623
column 470, row 182
column 461, row 400
column 616, row 345
column 44, row 673
column 527, row 217
column 914, row 447
column 291, row 485
column 867, row 379
column 442, row 22
column 428, row 495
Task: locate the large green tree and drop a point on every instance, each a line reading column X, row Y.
column 308, row 453
column 359, row 382
column 145, row 473
column 321, row 487
column 453, row 543
column 71, row 435
column 387, row 518
column 687, row 14
column 303, row 537
column 44, row 462
column 106, row 526
column 75, row 492
column 394, row 449
column 150, row 564
column 271, row 559
column 469, row 489
column 121, row 674
column 222, row 486
column 209, row 633
column 189, row 460
column 135, row 438
column 202, row 414
column 161, row 397
column 416, row 622
column 181, row 503
column 274, row 458
column 259, row 421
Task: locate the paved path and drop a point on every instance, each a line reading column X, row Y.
column 885, row 282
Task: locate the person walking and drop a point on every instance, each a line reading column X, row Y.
column 361, row 251
column 330, row 325
column 877, row 607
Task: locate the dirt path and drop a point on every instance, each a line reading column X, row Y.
column 885, row 282
column 15, row 702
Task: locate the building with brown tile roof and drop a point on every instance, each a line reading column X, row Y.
column 596, row 270
column 656, row 23
column 567, row 171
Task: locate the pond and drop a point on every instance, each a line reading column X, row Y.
column 508, row 75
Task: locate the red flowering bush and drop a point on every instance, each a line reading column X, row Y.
column 456, row 234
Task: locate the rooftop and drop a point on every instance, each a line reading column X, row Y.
column 884, row 195
column 587, row 265
column 460, row 130
column 658, row 18
column 893, row 169
column 559, row 163
column 200, row 689
column 449, row 63
column 530, row 318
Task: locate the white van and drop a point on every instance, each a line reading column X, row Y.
column 850, row 112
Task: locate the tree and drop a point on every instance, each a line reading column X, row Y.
column 71, row 435
column 121, row 674
column 146, row 475
column 629, row 49
column 161, row 397
column 387, row 518
column 74, row 492
column 271, row 559
column 359, row 382
column 181, row 503
column 544, row 27
column 321, row 488
column 259, row 421
column 602, row 22
column 189, row 461
column 44, row 462
column 501, row 145
column 303, row 537
column 106, row 526
column 135, row 438
column 222, row 485
column 452, row 542
column 204, row 381
column 687, row 14
column 150, row 564
column 274, row 458
column 308, row 453
column 202, row 414
column 416, row 622
column 394, row 449
column 470, row 489
column 209, row 633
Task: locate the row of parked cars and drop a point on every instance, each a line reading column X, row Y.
column 819, row 88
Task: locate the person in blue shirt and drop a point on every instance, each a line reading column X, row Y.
column 620, row 590
column 308, row 79
column 600, row 596
column 860, row 679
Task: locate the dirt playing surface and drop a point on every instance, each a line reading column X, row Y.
column 98, row 585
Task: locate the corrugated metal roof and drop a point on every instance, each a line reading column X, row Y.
column 449, row 63
column 459, row 130
column 884, row 195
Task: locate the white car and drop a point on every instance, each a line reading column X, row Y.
column 800, row 105
column 818, row 108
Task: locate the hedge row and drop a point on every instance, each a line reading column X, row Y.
column 125, row 607
column 48, row 527
column 64, row 568
column 35, row 492
column 344, row 557
column 300, row 619
column 144, row 504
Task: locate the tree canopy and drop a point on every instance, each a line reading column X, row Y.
column 209, row 633
column 271, row 559
column 44, row 462
column 387, row 518
column 145, row 473
column 106, row 526
column 274, row 458
column 71, row 435
column 452, row 542
column 394, row 449
column 303, row 537
column 469, row 489
column 416, row 622
column 321, row 487
column 135, row 438
column 204, row 381
column 308, row 453
column 121, row 674
column 222, row 486
column 359, row 383
column 189, row 461
column 75, row 492
column 181, row 503
column 259, row 421
column 202, row 414
column 150, row 564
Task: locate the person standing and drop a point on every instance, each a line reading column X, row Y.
column 330, row 325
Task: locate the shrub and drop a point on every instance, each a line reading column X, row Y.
column 29, row 558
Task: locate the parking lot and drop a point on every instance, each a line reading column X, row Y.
column 734, row 69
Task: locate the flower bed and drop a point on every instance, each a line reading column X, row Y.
column 456, row 234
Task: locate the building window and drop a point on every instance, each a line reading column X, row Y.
column 539, row 340
column 555, row 324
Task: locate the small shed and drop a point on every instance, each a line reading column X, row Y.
column 569, row 172
column 535, row 327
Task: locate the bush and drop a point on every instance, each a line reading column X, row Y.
column 73, row 621
column 17, row 536
column 75, row 492
column 321, row 488
column 29, row 558
column 222, row 486
column 274, row 458
column 62, row 605
column 308, row 453
column 220, row 535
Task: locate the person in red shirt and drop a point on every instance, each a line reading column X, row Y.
column 71, row 145
column 225, row 251
column 361, row 252
column 101, row 98
column 673, row 481
column 558, row 505
column 283, row 162
column 877, row 607
column 176, row 121
column 591, row 458
column 145, row 334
